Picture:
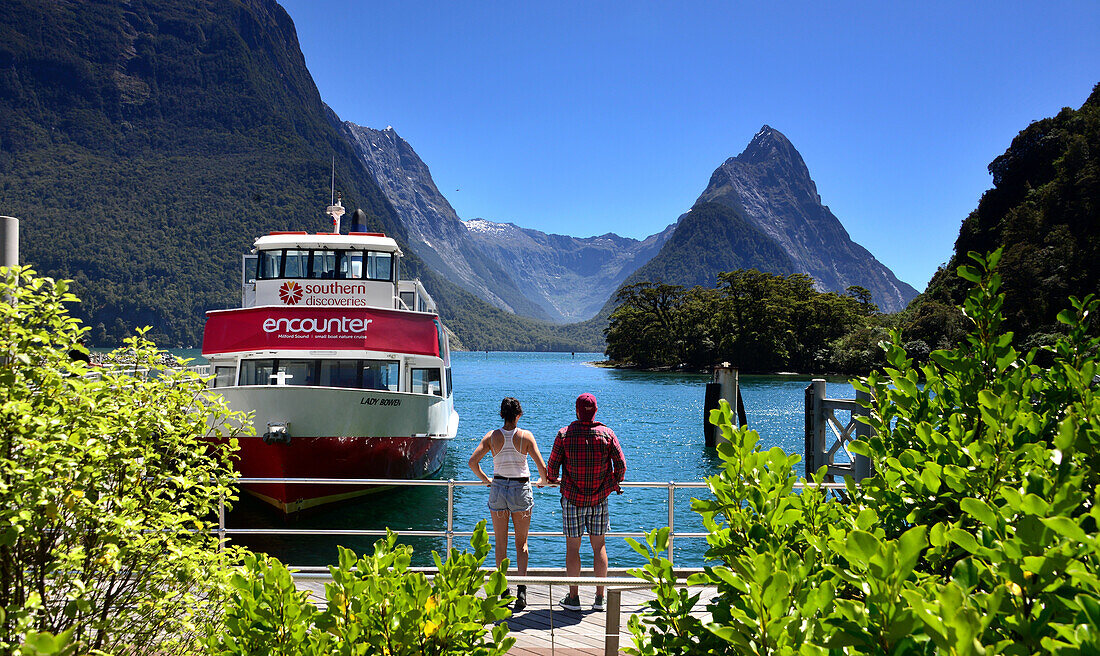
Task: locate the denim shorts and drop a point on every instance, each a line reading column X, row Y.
column 513, row 496
column 575, row 520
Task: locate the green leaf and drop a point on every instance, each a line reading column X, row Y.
column 910, row 546
column 1065, row 527
column 980, row 510
column 861, row 545
column 963, row 539
column 967, row 272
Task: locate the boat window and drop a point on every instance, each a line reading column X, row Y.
column 250, row 266
column 449, row 387
column 256, row 372
column 269, row 265
column 380, row 375
column 223, row 376
column 295, row 372
column 339, row 373
column 379, row 265
column 409, row 299
column 350, row 265
column 297, row 264
column 324, row 264
column 425, row 381
column 421, row 306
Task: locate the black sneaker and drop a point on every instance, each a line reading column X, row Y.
column 598, row 603
column 521, row 599
column 571, row 602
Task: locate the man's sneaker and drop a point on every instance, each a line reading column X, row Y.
column 598, row 603
column 571, row 602
column 521, row 599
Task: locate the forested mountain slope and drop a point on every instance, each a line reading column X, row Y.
column 145, row 144
column 1044, row 210
column 708, row 240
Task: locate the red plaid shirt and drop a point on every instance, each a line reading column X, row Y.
column 592, row 462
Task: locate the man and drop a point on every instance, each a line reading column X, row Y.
column 593, row 466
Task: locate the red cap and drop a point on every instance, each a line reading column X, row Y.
column 586, row 407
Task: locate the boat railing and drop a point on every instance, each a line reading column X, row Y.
column 97, row 371
column 450, row 533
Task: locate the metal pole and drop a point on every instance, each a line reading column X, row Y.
column 671, row 518
column 551, row 593
column 9, row 241
column 450, row 514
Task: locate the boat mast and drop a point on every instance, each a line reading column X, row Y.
column 336, row 209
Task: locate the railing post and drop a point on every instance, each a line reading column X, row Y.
column 861, row 465
column 450, row 514
column 671, row 518
column 611, row 622
column 820, row 451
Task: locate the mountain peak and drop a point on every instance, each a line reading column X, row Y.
column 767, row 144
column 769, row 185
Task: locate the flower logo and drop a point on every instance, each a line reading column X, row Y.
column 290, row 293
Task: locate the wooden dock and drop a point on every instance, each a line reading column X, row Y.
column 546, row 629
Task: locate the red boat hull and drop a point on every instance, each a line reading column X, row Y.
column 401, row 458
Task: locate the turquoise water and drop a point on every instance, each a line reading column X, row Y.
column 657, row 416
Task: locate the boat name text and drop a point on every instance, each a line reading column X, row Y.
column 373, row 400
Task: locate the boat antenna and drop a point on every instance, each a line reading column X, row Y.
column 336, row 210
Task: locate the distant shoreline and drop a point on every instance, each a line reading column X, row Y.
column 606, row 364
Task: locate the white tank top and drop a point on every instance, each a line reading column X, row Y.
column 510, row 463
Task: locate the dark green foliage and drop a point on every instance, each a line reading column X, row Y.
column 757, row 321
column 145, row 144
column 976, row 535
column 1044, row 211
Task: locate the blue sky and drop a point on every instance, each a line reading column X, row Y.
column 583, row 118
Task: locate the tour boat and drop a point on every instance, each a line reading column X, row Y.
column 345, row 366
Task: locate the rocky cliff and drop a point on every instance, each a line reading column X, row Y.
column 524, row 271
column 435, row 232
column 570, row 277
column 770, row 187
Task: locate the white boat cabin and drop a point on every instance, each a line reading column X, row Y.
column 307, row 303
column 356, row 270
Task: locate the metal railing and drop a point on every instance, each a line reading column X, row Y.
column 450, row 533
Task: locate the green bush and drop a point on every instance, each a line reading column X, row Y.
column 107, row 487
column 375, row 605
column 976, row 535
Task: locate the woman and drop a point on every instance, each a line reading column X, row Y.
column 510, row 487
